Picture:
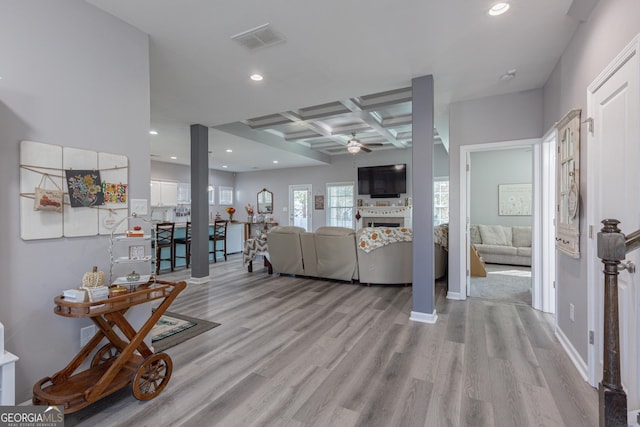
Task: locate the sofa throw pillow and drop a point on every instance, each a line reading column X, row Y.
column 508, row 236
column 475, row 234
column 522, row 237
column 492, row 235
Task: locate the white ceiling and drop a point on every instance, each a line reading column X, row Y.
column 334, row 51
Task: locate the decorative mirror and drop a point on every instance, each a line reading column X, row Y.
column 265, row 202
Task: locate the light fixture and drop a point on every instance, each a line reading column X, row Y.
column 210, row 188
column 153, row 132
column 256, row 77
column 173, row 157
column 224, row 166
column 499, row 9
column 275, row 161
column 229, row 150
column 353, row 149
column 509, row 75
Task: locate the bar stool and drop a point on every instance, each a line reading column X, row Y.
column 186, row 241
column 219, row 235
column 164, row 233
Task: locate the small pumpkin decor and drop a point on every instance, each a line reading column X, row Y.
column 93, row 278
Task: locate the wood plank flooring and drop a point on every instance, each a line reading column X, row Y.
column 304, row 352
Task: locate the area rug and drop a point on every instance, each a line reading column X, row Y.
column 173, row 329
column 505, row 283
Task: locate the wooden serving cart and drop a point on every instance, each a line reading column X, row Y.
column 118, row 363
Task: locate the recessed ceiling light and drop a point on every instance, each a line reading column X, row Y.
column 229, row 150
column 498, row 9
column 256, row 77
column 275, row 161
column 173, row 157
column 225, row 166
column 153, row 132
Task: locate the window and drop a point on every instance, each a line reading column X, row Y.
column 211, row 190
column 226, row 195
column 340, row 204
column 440, row 201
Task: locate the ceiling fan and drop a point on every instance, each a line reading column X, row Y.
column 354, row 145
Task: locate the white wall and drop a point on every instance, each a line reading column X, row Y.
column 500, row 118
column 489, row 169
column 77, row 77
column 610, row 28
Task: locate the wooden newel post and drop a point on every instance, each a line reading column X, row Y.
column 612, row 398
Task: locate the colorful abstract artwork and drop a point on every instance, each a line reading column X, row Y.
column 85, row 188
column 114, row 193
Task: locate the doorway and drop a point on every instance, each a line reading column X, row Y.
column 613, row 155
column 300, row 206
column 500, row 212
column 541, row 284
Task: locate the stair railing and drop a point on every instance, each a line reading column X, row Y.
column 613, row 246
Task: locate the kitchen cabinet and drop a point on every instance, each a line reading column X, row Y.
column 164, row 193
column 235, row 237
column 184, row 193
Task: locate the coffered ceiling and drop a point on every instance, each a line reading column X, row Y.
column 330, row 68
column 382, row 119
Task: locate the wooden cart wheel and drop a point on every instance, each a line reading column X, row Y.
column 107, row 353
column 152, row 376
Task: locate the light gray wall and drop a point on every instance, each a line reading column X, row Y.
column 489, row 169
column 610, row 28
column 163, row 171
column 77, row 77
column 341, row 169
column 181, row 173
column 440, row 161
column 500, row 118
column 247, row 184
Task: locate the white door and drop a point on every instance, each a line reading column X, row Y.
column 613, row 192
column 300, row 206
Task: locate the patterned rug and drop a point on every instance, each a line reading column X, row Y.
column 173, row 329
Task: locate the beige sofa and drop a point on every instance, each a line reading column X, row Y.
column 332, row 253
column 500, row 244
column 329, row 252
column 389, row 264
column 285, row 250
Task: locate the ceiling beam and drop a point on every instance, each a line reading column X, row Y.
column 317, row 127
column 385, row 99
column 243, row 130
column 355, row 107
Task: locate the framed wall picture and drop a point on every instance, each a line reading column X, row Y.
column 514, row 199
column 136, row 252
column 318, row 202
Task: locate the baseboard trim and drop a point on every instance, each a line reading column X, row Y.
column 417, row 316
column 199, row 280
column 573, row 354
column 456, row 296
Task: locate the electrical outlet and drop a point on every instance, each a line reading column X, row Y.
column 572, row 313
column 86, row 334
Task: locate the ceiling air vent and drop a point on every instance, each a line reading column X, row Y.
column 259, row 37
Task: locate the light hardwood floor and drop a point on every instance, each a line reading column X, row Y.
column 297, row 352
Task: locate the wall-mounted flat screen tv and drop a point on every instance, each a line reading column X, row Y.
column 383, row 181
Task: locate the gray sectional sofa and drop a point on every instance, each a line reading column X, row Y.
column 499, row 244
